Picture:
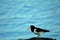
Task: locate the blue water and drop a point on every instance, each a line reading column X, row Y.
column 17, row 15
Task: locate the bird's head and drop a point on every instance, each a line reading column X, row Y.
column 31, row 26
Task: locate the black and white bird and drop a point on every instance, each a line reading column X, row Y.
column 36, row 30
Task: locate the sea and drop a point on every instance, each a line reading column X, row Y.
column 17, row 15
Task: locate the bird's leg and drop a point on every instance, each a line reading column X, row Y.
column 38, row 35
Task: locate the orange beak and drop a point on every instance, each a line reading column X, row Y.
column 29, row 28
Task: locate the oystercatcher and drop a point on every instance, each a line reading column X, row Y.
column 36, row 30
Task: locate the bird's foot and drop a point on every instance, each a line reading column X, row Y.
column 38, row 36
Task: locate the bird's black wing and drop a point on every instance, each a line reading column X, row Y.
column 41, row 30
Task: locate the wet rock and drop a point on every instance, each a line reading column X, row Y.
column 41, row 38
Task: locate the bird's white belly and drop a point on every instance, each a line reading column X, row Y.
column 35, row 30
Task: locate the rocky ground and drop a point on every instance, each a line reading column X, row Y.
column 35, row 38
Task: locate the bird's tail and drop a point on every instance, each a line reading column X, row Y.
column 46, row 31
